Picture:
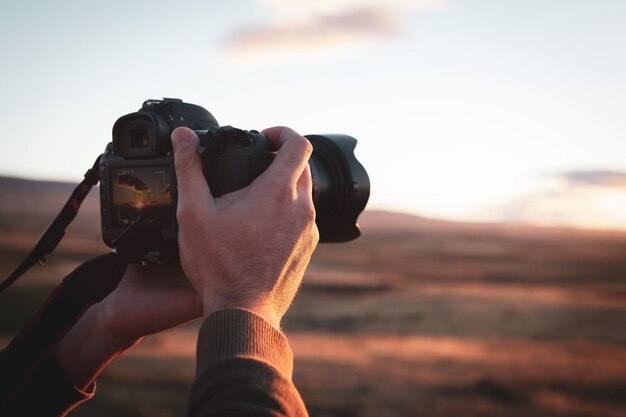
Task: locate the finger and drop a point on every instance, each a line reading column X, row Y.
column 292, row 156
column 193, row 190
column 305, row 186
column 305, row 195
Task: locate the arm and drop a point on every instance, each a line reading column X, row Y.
column 147, row 300
column 247, row 251
column 243, row 372
column 245, row 254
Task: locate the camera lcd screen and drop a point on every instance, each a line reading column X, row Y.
column 139, row 191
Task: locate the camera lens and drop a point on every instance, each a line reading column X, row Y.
column 341, row 187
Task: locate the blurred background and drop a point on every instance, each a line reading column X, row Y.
column 491, row 275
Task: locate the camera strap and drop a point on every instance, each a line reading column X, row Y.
column 88, row 284
column 56, row 230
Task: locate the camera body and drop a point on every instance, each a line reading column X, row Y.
column 138, row 180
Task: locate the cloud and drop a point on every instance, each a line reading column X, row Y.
column 312, row 25
column 599, row 178
column 335, row 5
column 588, row 199
column 131, row 182
column 319, row 31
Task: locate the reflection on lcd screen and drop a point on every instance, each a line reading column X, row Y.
column 139, row 191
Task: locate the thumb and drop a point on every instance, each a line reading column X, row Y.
column 192, row 186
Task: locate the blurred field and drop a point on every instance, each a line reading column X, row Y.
column 417, row 317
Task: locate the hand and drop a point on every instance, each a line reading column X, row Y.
column 247, row 249
column 147, row 300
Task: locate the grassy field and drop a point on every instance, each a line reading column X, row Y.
column 417, row 317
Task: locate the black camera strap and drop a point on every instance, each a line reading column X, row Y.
column 88, row 284
column 56, row 230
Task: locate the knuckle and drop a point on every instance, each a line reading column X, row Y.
column 307, row 218
column 299, row 143
column 183, row 213
column 315, row 235
column 308, row 147
column 302, row 144
column 308, row 214
column 188, row 214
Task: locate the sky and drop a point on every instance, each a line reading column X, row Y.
column 469, row 110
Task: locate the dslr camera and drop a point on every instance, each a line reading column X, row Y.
column 138, row 180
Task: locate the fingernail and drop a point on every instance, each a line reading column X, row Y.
column 180, row 137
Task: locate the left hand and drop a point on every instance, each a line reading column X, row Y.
column 147, row 300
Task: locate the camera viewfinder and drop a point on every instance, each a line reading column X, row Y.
column 139, row 138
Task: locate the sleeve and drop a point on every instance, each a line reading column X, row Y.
column 47, row 392
column 244, row 368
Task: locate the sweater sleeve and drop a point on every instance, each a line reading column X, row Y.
column 244, row 368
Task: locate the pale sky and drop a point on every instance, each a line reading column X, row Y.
column 464, row 109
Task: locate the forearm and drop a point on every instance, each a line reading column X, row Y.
column 88, row 348
column 244, row 367
column 64, row 377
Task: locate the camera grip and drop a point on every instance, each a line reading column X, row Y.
column 240, row 157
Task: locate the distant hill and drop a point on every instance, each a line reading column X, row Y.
column 28, row 206
column 33, row 196
column 386, row 222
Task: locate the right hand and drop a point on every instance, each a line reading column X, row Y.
column 247, row 249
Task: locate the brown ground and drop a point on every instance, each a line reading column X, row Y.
column 417, row 317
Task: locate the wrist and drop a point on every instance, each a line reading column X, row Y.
column 105, row 330
column 266, row 312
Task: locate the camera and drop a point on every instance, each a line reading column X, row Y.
column 138, row 180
